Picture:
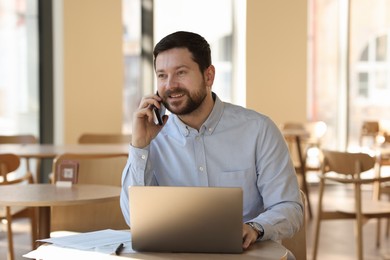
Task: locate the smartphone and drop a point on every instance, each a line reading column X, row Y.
column 159, row 113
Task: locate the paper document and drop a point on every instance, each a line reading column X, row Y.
column 52, row 252
column 105, row 241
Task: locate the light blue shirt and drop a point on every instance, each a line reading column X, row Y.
column 235, row 147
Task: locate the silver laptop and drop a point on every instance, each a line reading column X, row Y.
column 186, row 219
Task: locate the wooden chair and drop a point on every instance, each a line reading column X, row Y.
column 297, row 243
column 346, row 168
column 93, row 169
column 24, row 139
column 8, row 164
column 90, row 138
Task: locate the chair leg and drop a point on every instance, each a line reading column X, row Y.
column 358, row 223
column 34, row 227
column 316, row 239
column 11, row 255
column 359, row 240
column 306, row 190
column 318, row 220
column 378, row 233
column 302, row 162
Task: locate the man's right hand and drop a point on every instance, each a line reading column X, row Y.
column 144, row 127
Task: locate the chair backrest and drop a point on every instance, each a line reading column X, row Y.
column 293, row 126
column 24, row 139
column 370, row 128
column 297, row 243
column 94, row 138
column 386, row 137
column 93, row 169
column 18, row 139
column 347, row 163
column 8, row 164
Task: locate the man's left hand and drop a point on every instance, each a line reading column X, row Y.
column 249, row 236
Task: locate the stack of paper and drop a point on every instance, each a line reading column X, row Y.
column 103, row 241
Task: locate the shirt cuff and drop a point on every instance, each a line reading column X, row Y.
column 138, row 160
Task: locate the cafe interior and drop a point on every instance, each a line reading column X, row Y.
column 72, row 73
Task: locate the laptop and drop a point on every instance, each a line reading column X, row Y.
column 186, row 219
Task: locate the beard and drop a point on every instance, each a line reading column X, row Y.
column 190, row 104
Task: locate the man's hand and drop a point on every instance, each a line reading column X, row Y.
column 249, row 236
column 144, row 128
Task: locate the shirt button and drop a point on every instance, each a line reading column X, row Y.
column 210, row 129
column 197, row 138
column 186, row 132
column 201, row 169
column 143, row 157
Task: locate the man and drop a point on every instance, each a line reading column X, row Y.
column 206, row 142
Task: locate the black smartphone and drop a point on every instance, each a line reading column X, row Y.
column 159, row 113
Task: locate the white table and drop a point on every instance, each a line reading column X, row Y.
column 267, row 250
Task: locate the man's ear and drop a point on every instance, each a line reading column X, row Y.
column 209, row 75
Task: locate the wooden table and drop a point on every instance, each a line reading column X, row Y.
column 50, row 151
column 266, row 250
column 47, row 151
column 44, row 196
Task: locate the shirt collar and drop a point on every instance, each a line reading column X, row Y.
column 208, row 126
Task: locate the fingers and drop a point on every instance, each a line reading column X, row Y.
column 249, row 236
column 150, row 100
column 145, row 108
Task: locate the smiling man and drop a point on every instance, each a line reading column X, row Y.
column 207, row 142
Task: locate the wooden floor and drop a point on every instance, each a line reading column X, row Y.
column 336, row 242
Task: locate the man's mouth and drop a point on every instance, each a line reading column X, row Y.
column 176, row 95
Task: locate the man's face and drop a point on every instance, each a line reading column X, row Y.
column 180, row 83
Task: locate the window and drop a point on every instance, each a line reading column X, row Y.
column 132, row 91
column 215, row 24
column 369, row 66
column 349, row 78
column 324, row 67
column 19, row 98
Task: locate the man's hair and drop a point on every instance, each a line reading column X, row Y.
column 196, row 44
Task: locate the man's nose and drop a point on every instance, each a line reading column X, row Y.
column 171, row 82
